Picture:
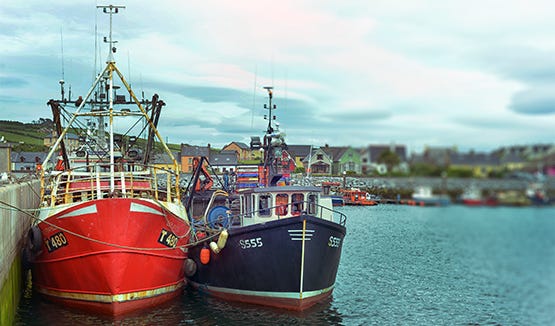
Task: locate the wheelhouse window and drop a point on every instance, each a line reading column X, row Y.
column 245, row 207
column 282, row 204
column 253, row 203
column 312, row 204
column 297, row 204
column 264, row 205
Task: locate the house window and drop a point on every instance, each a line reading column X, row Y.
column 319, row 157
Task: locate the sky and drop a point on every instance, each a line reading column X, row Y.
column 473, row 74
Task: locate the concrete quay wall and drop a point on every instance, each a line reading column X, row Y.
column 14, row 225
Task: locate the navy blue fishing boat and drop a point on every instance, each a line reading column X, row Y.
column 281, row 247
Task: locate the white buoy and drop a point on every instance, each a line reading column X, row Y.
column 214, row 247
column 222, row 239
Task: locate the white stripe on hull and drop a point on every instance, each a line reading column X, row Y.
column 91, row 209
column 281, row 295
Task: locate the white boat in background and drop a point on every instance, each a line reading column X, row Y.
column 423, row 196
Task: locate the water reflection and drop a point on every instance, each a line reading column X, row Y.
column 192, row 308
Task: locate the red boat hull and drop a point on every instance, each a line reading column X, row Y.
column 112, row 256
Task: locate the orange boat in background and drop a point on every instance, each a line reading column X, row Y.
column 357, row 197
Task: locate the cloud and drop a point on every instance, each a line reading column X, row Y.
column 348, row 73
column 535, row 101
column 10, row 82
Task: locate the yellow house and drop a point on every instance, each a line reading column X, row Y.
column 243, row 150
column 300, row 153
column 71, row 140
column 481, row 164
column 162, row 161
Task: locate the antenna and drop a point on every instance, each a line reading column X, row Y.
column 128, row 68
column 95, row 44
column 62, row 46
column 254, row 95
column 62, row 81
column 269, row 107
column 110, row 10
column 286, row 98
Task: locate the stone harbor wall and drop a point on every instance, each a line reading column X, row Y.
column 14, row 225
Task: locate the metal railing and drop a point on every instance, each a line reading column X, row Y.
column 314, row 209
column 96, row 182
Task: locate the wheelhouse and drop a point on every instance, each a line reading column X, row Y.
column 259, row 205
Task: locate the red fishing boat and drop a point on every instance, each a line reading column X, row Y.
column 357, row 197
column 111, row 234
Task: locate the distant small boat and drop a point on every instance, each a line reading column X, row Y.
column 472, row 196
column 537, row 194
column 513, row 198
column 357, row 197
column 423, row 196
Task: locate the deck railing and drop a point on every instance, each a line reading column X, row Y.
column 315, row 209
column 89, row 182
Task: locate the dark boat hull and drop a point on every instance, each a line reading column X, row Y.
column 288, row 263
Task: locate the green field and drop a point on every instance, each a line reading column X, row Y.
column 27, row 137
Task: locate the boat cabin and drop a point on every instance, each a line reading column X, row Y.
column 259, row 205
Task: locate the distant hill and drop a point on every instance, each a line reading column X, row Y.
column 27, row 137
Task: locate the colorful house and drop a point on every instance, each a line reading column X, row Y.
column 163, row 161
column 481, row 164
column 71, row 140
column 318, row 162
column 27, row 161
column 224, row 160
column 188, row 153
column 299, row 153
column 371, row 154
column 243, row 150
column 345, row 159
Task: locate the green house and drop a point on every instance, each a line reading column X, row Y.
column 345, row 159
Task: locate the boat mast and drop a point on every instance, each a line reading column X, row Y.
column 269, row 107
column 111, row 10
column 274, row 144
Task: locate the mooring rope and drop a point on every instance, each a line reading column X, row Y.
column 191, row 244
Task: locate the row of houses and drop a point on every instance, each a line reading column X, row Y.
column 330, row 160
column 334, row 160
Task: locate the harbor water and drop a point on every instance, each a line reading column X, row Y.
column 401, row 265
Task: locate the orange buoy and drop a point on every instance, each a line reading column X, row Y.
column 205, row 256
